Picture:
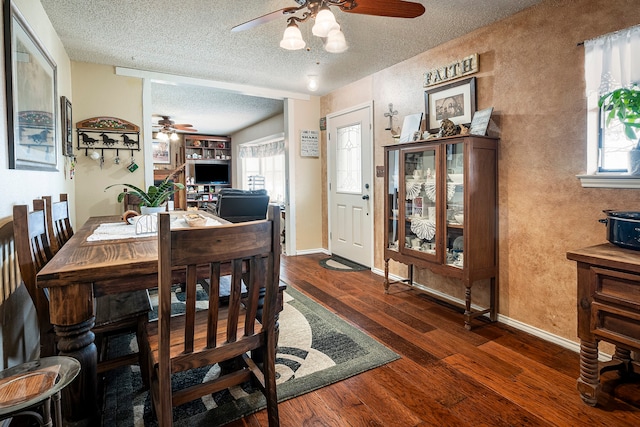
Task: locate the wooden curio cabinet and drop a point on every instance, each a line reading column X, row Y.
column 441, row 211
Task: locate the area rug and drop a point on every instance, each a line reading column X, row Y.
column 316, row 348
column 334, row 262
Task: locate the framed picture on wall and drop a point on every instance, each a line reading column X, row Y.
column 455, row 101
column 161, row 152
column 67, row 127
column 32, row 100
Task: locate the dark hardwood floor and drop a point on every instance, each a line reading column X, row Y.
column 493, row 375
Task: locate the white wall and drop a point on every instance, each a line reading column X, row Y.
column 21, row 186
column 18, row 333
column 305, row 179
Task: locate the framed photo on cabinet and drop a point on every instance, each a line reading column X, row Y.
column 455, row 101
column 32, row 100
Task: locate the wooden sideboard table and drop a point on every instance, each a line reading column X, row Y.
column 608, row 310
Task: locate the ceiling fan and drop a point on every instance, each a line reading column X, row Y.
column 165, row 124
column 390, row 8
column 326, row 26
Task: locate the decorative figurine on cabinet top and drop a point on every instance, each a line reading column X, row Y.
column 448, row 128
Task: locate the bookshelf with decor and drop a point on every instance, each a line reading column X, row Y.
column 208, row 169
column 207, row 147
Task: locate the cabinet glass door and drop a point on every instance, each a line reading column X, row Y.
column 455, row 205
column 419, row 228
column 393, row 186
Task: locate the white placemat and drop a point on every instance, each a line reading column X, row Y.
column 116, row 231
column 120, row 230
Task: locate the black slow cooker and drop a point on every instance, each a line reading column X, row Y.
column 623, row 228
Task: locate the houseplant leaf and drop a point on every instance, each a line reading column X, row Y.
column 155, row 195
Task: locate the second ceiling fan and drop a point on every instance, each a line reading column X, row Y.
column 165, row 124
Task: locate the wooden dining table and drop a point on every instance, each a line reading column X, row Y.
column 81, row 271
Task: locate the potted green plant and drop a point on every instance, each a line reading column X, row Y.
column 623, row 104
column 155, row 196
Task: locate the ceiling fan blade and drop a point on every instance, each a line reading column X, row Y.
column 264, row 19
column 183, row 126
column 390, row 8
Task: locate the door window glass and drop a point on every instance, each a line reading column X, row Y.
column 348, row 159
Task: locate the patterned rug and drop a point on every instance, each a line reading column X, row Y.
column 316, row 348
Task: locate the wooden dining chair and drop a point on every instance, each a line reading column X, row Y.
column 131, row 202
column 223, row 332
column 126, row 312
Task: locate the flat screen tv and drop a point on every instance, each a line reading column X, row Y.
column 212, row 173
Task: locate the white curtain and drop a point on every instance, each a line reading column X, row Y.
column 267, row 149
column 613, row 61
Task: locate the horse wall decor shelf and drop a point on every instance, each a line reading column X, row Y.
column 107, row 133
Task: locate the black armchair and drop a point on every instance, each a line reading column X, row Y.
column 242, row 205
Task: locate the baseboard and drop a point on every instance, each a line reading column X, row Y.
column 537, row 332
column 313, row 251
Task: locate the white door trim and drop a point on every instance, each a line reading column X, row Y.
column 370, row 178
column 290, row 165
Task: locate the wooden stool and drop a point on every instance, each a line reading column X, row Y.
column 32, row 385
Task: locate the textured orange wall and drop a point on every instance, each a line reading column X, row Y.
column 532, row 73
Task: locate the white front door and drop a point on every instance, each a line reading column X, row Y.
column 350, row 181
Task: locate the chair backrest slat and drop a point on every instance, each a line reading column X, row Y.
column 214, row 297
column 192, row 281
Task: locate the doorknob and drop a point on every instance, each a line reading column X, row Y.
column 365, row 197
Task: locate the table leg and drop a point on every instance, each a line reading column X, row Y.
column 589, row 381
column 621, row 362
column 71, row 312
column 624, row 356
column 80, row 397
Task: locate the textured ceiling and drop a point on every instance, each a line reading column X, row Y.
column 211, row 111
column 193, row 38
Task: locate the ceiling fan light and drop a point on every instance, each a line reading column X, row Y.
column 312, row 83
column 336, row 42
column 174, row 136
column 162, row 136
column 325, row 22
column 292, row 38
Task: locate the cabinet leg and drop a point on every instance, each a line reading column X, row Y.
column 467, row 308
column 589, row 381
column 386, row 276
column 494, row 300
column 410, row 274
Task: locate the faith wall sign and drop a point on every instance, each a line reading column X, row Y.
column 460, row 68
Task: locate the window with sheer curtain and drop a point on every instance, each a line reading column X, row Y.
column 264, row 160
column 612, row 61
